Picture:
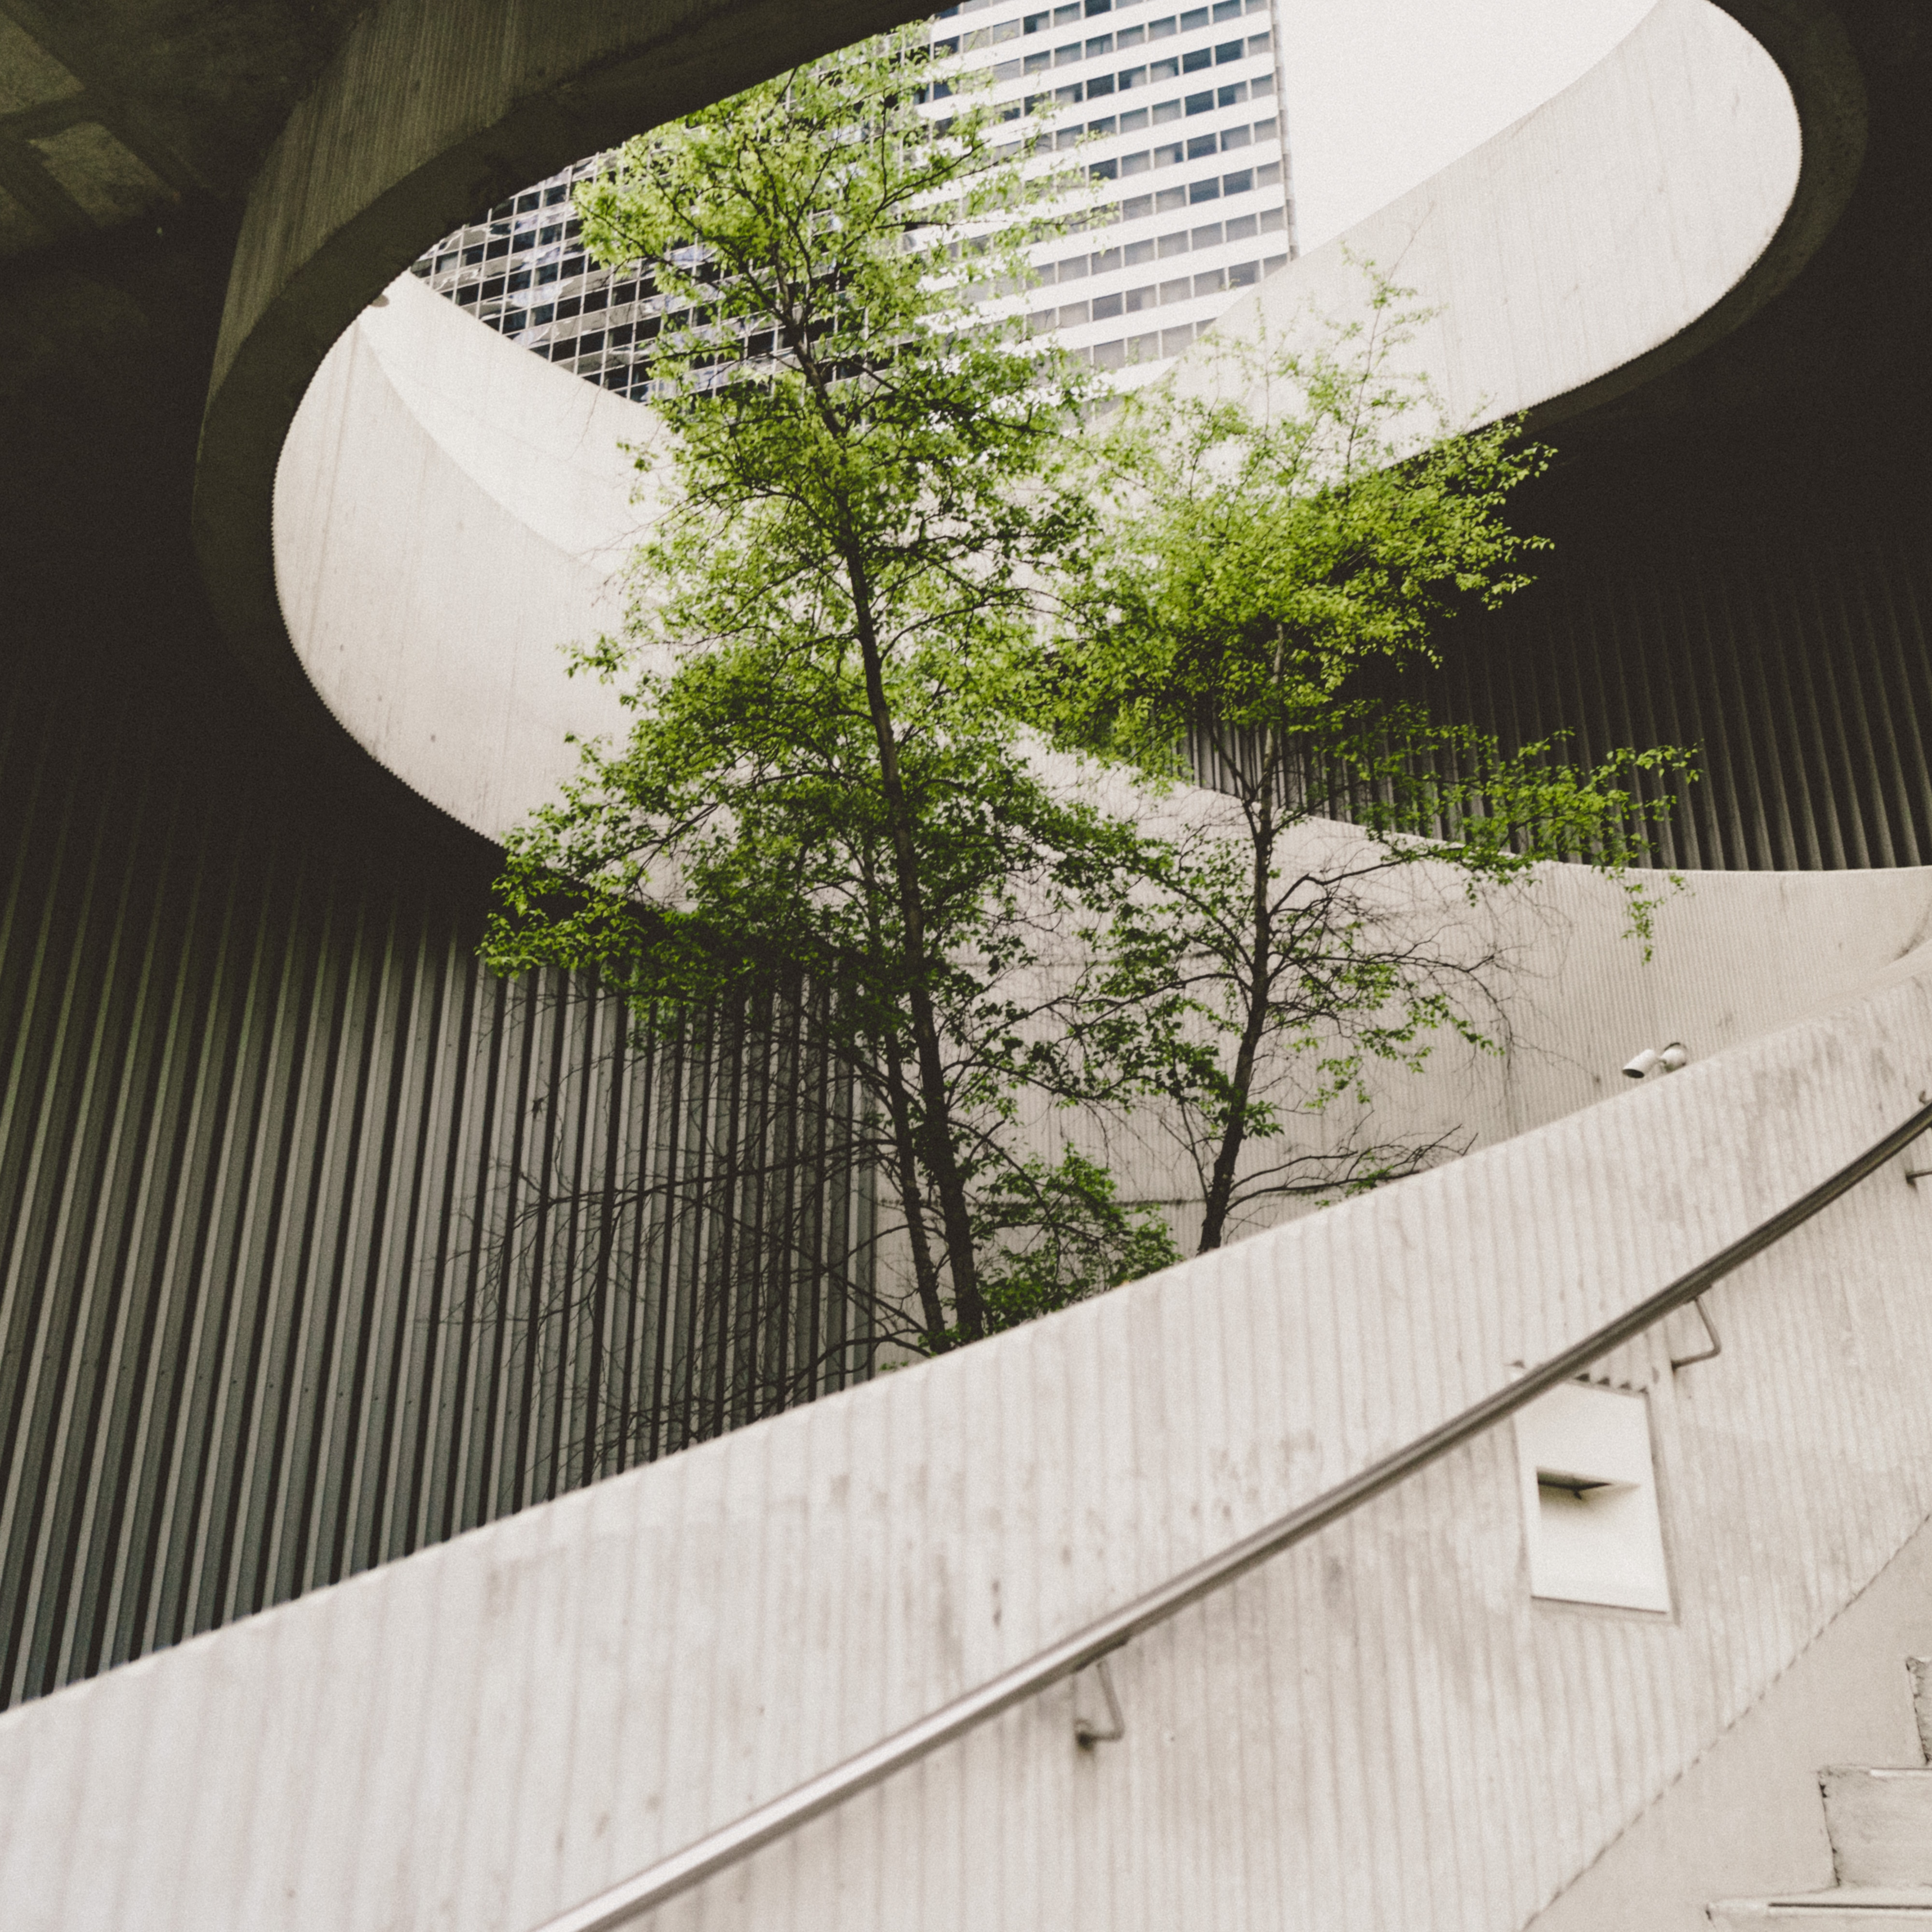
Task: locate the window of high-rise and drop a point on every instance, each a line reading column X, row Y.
column 1174, row 115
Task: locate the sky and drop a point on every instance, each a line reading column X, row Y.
column 1382, row 93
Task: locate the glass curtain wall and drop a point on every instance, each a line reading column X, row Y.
column 1174, row 115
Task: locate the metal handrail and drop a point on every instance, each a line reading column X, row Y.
column 663, row 1881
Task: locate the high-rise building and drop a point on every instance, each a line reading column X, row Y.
column 1176, row 115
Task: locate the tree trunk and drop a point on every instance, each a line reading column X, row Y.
column 1254, row 1022
column 937, row 1151
column 925, row 1276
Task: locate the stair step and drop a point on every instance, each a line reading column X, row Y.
column 1920, row 1669
column 1852, row 1908
column 1880, row 1823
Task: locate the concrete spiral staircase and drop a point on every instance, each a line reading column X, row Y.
column 1880, row 1822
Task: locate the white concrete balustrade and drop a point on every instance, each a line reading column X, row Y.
column 1570, row 256
column 1382, row 1730
column 451, row 511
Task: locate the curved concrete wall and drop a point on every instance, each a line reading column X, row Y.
column 429, row 110
column 1382, row 1732
column 1573, row 256
column 427, row 113
column 1563, row 252
column 450, row 511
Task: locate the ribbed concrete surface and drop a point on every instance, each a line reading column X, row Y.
column 1380, row 1731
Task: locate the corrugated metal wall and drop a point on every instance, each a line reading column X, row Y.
column 318, row 1242
column 1799, row 676
column 1798, row 664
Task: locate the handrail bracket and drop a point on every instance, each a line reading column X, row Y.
column 1086, row 1733
column 1717, row 1347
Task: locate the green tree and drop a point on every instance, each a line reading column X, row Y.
column 830, row 647
column 1283, row 535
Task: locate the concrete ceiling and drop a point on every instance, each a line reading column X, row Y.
column 111, row 111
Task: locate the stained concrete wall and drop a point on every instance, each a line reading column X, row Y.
column 1380, row 1732
column 1746, row 1820
column 1570, row 257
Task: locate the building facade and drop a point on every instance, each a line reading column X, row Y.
column 1176, row 115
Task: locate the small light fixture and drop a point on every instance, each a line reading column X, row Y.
column 1668, row 1059
column 1588, row 1483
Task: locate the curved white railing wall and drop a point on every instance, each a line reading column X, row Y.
column 1381, row 1730
column 451, row 513
column 1592, row 233
column 449, row 509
